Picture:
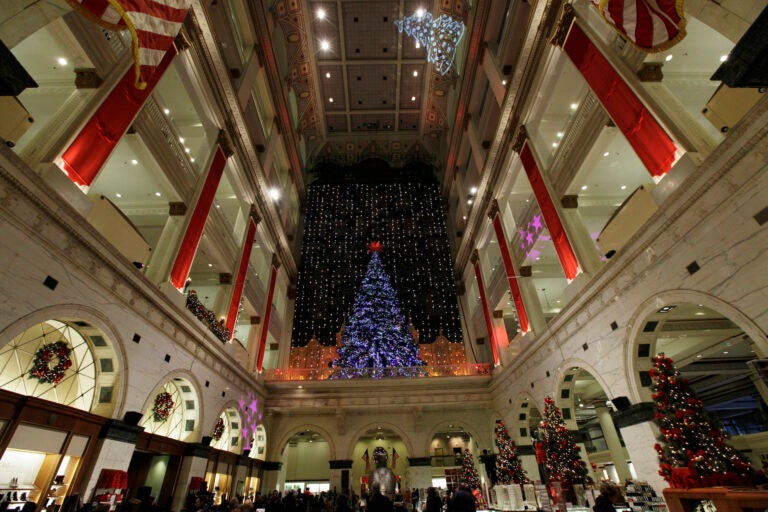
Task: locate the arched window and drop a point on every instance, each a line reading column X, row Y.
column 172, row 411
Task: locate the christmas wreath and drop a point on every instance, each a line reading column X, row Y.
column 41, row 367
column 218, row 429
column 163, row 406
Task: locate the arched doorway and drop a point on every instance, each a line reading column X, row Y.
column 305, row 462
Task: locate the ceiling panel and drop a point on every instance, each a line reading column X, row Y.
column 409, row 122
column 336, row 123
column 373, row 122
column 331, row 87
column 325, row 29
column 372, row 87
column 369, row 30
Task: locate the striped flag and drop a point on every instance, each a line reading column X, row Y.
column 651, row 25
column 367, row 460
column 153, row 25
column 394, row 457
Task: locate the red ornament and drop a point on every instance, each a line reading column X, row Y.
column 374, row 246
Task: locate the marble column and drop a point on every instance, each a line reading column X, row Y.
column 193, row 464
column 618, row 453
column 271, row 479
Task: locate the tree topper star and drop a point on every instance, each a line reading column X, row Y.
column 374, row 246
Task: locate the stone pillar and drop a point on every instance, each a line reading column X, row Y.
column 420, row 475
column 581, row 240
column 639, row 433
column 193, row 464
column 495, row 81
column 272, row 476
column 618, row 453
column 158, row 269
column 116, row 443
column 340, row 475
column 240, row 474
column 253, row 343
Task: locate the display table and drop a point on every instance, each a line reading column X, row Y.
column 719, row 499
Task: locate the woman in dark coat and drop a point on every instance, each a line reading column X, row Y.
column 609, row 495
column 434, row 503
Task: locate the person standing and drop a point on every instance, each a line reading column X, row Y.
column 610, row 494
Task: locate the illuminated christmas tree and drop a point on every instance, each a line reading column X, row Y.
column 377, row 335
column 689, row 437
column 508, row 467
column 563, row 463
column 468, row 474
column 440, row 36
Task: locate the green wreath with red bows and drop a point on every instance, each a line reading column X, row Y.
column 41, row 366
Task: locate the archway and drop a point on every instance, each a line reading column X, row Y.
column 368, row 439
column 173, row 410
column 226, row 433
column 304, row 460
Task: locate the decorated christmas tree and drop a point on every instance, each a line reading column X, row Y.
column 377, row 334
column 508, row 467
column 689, row 437
column 440, row 36
column 563, row 462
column 468, row 474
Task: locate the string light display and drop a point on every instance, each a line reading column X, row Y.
column 440, row 37
column 345, row 211
column 563, row 462
column 508, row 467
column 689, row 438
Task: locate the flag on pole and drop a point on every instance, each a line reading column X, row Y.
column 651, row 25
column 394, row 457
column 367, row 460
column 153, row 25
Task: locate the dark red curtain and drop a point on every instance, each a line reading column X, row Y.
column 194, row 232
column 549, row 212
column 237, row 292
column 517, row 298
column 487, row 314
column 646, row 136
column 91, row 148
column 265, row 323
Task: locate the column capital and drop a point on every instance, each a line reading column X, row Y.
column 87, row 78
column 225, row 143
column 177, row 209
column 117, row 430
column 254, row 214
column 225, row 278
column 570, row 201
column 474, row 257
column 182, row 40
column 633, row 415
column 275, row 261
column 519, row 139
column 567, row 15
column 493, row 209
column 255, row 320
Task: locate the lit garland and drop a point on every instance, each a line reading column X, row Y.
column 690, row 438
column 163, row 406
column 218, row 429
column 376, row 335
column 41, row 368
column 440, row 37
column 508, row 467
column 207, row 317
column 563, row 462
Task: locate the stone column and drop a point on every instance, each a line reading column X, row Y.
column 340, row 475
column 618, row 453
column 158, row 269
column 193, row 464
column 639, row 433
column 581, row 240
column 253, row 343
column 272, row 476
column 116, row 443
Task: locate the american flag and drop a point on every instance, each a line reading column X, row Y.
column 367, row 460
column 651, row 25
column 394, row 458
column 153, row 25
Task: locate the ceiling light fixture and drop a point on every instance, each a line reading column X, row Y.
column 473, row 190
column 606, row 153
column 560, row 135
column 413, row 98
column 623, row 187
column 166, row 111
column 181, row 139
column 574, row 106
column 415, row 73
column 330, row 100
column 325, row 45
column 420, row 12
column 210, row 264
column 418, row 45
column 327, row 75
column 723, row 58
column 62, row 61
column 320, row 13
column 118, row 195
column 469, row 201
column 274, row 193
column 158, row 194
column 669, row 57
column 135, row 162
column 666, row 309
column 554, row 144
column 584, row 187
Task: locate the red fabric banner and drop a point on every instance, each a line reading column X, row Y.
column 237, row 292
column 517, row 298
column 487, row 314
column 651, row 25
column 91, row 148
column 646, row 136
column 265, row 323
column 194, row 232
column 549, row 212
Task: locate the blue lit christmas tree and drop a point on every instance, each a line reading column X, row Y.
column 439, row 36
column 376, row 341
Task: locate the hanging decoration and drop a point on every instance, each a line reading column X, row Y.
column 440, row 37
column 218, row 430
column 41, row 367
column 207, row 317
column 651, row 25
column 163, row 406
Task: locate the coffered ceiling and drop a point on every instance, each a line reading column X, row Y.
column 361, row 88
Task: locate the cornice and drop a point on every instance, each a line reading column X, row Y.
column 212, row 64
column 29, row 203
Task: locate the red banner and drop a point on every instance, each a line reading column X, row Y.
column 487, row 314
column 651, row 25
column 265, row 324
column 517, row 298
column 91, row 148
column 194, row 232
column 646, row 136
column 237, row 292
column 549, row 212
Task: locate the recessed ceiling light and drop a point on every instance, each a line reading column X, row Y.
column 473, row 190
column 413, row 98
column 325, row 45
column 118, row 195
column 464, row 217
column 574, row 106
column 723, row 58
column 668, row 57
column 420, row 12
column 623, row 187
column 415, row 73
column 560, row 135
column 606, row 153
column 192, row 159
column 210, row 264
column 158, row 194
column 186, row 150
column 135, row 162
column 554, row 144
column 218, row 206
column 725, row 351
column 166, row 111
column 320, row 13
column 469, row 201
column 503, row 82
column 330, row 100
column 537, row 258
column 418, row 44
column 274, row 193
column 62, row 61
column 698, row 356
column 584, row 187
column 181, row 139
column 327, row 75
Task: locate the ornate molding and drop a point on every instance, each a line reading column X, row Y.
column 567, row 15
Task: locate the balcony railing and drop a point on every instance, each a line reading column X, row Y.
column 414, row 372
